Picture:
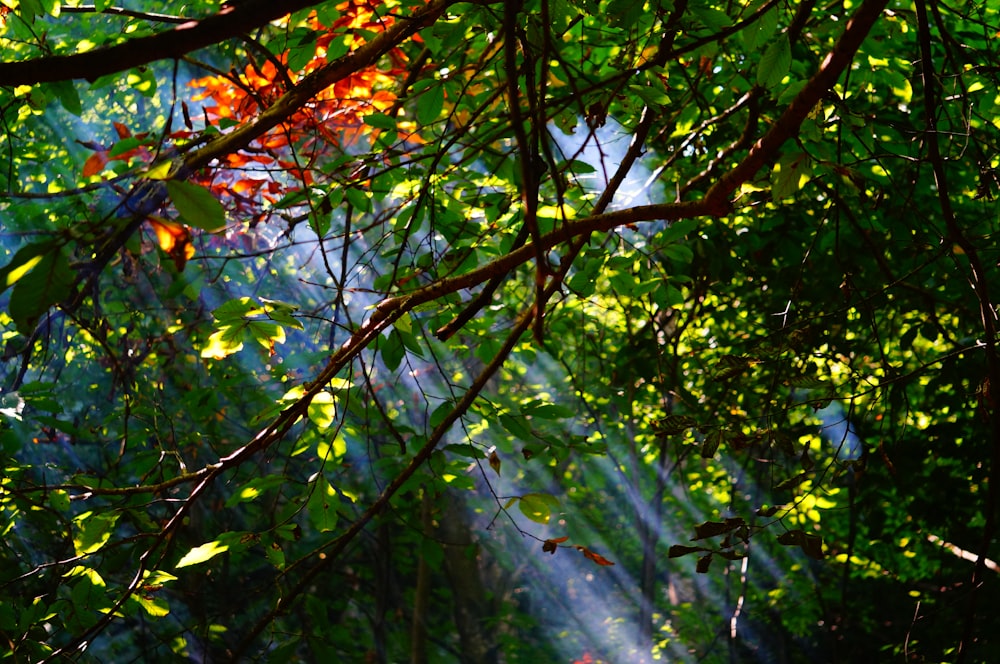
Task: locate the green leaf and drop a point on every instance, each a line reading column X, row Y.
column 24, row 261
column 380, row 121
column 236, row 310
column 49, row 282
column 713, row 19
column 651, row 96
column 774, row 63
column 538, row 506
column 94, row 531
column 59, row 500
column 517, row 425
column 674, row 424
column 196, row 205
column 792, row 482
column 124, row 145
column 358, row 199
column 677, row 230
column 440, row 414
column 89, row 593
column 200, row 554
column 711, row 443
column 732, row 365
column 391, row 349
column 30, row 9
column 322, row 505
column 548, row 411
column 155, row 607
column 303, row 51
column 793, row 169
column 466, row 450
column 266, row 333
column 761, row 30
column 275, row 555
column 430, row 102
column 322, row 410
column 251, row 490
column 68, row 96
column 806, row 382
column 225, row 341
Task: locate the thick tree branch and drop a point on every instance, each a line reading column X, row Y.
column 121, row 11
column 765, row 150
column 231, row 21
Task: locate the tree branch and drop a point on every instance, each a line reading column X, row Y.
column 231, row 21
column 765, row 150
column 121, row 11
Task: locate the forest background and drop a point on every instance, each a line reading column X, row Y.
column 551, row 330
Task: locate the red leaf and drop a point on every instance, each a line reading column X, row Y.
column 94, row 164
column 175, row 240
column 123, row 131
column 596, row 557
column 550, row 545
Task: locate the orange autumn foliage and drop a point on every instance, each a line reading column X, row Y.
column 336, row 113
column 174, row 239
column 333, row 120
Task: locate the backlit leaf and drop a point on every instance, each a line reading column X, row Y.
column 48, row 283
column 200, row 554
column 322, row 409
column 538, row 506
column 94, row 531
column 174, row 239
column 222, row 343
column 323, row 505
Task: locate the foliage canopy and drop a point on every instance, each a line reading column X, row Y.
column 547, row 330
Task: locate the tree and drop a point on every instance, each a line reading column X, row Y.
column 316, row 313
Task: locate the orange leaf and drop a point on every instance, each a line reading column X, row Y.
column 123, row 131
column 174, row 239
column 550, row 545
column 596, row 557
column 94, row 164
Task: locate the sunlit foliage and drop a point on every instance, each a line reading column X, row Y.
column 551, row 330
